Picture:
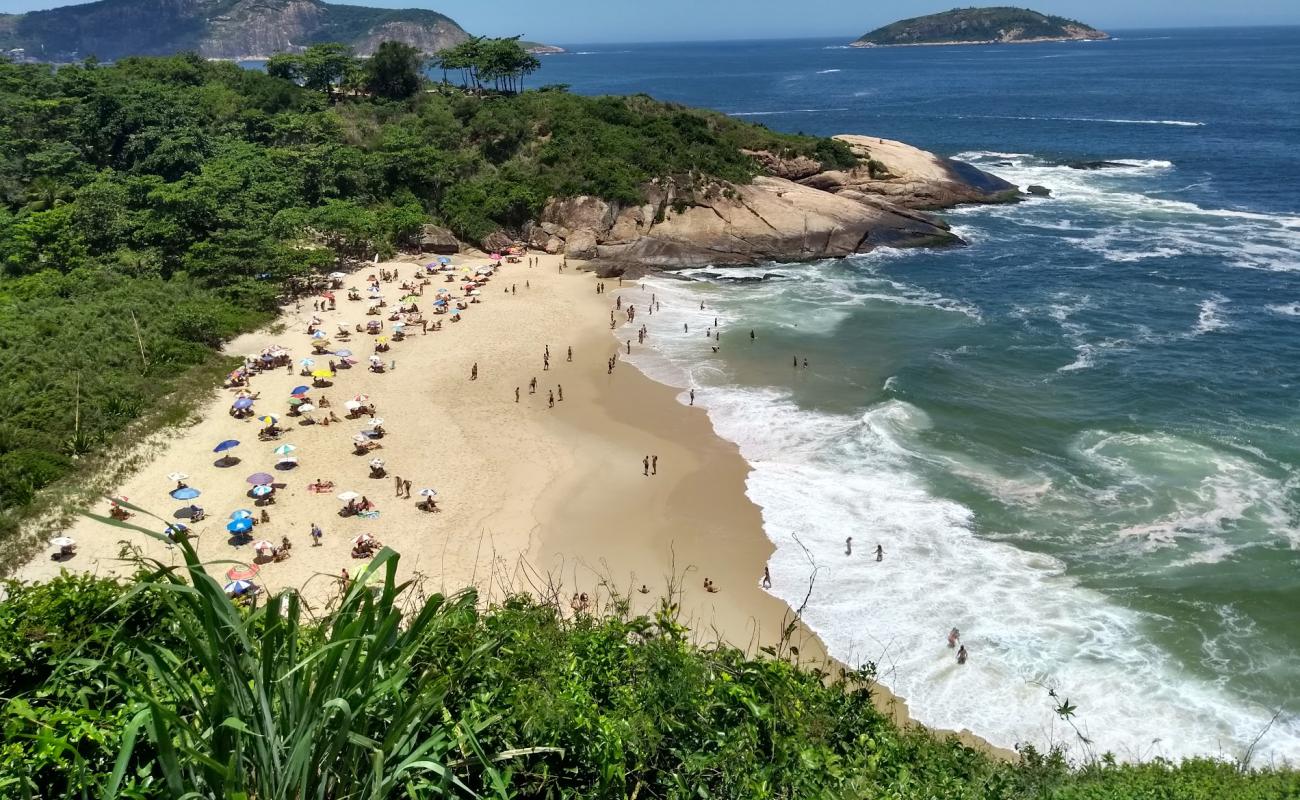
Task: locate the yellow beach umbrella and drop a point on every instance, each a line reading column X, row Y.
column 322, row 373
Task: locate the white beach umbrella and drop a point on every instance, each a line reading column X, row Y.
column 346, row 496
column 428, row 493
column 306, row 408
column 176, row 476
column 352, row 405
column 375, row 422
column 376, row 462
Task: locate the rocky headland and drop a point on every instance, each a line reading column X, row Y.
column 795, row 211
column 993, row 25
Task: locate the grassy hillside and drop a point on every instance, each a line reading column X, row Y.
column 163, row 688
column 159, row 205
column 978, row 25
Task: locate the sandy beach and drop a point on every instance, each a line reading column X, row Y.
column 548, row 500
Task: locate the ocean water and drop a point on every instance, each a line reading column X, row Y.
column 1076, row 439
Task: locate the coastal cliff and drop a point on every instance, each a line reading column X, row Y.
column 994, row 25
column 795, row 211
column 219, row 29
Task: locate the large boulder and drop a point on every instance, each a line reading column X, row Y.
column 438, row 240
column 577, row 213
column 910, row 177
column 495, row 242
column 581, row 245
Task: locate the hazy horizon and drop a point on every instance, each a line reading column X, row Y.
column 604, row 22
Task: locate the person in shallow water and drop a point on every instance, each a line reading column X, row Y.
column 880, row 553
column 961, row 655
column 953, row 636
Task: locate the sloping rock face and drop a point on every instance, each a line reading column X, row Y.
column 910, row 177
column 795, row 212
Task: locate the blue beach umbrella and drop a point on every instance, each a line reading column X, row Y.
column 241, row 513
column 444, row 260
column 319, row 335
column 185, row 494
column 343, row 353
column 241, row 525
column 226, row 445
column 262, row 490
column 243, row 403
column 238, row 587
column 301, row 389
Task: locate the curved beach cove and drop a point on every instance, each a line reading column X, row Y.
column 1075, row 439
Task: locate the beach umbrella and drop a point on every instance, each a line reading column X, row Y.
column 262, row 490
column 297, row 390
column 286, row 462
column 322, row 373
column 343, row 353
column 284, row 449
column 376, row 462
column 236, row 588
column 176, row 476
column 444, row 260
column 428, row 493
column 185, row 494
column 319, row 335
column 242, row 572
column 307, row 363
column 362, row 398
column 241, row 525
column 361, row 438
column 376, row 360
column 242, row 403
column 241, row 513
column 337, row 275
column 306, row 408
column 260, row 479
column 362, row 539
column 226, row 445
column 62, row 541
column 297, row 401
column 263, row 545
column 440, row 303
column 347, row 496
column 375, row 422
column 268, row 419
column 352, row 405
column 381, row 340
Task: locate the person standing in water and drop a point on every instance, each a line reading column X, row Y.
column 880, row 553
column 692, row 397
column 954, row 636
column 848, row 546
column 767, row 578
column 962, row 655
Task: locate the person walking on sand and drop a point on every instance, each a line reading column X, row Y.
column 550, row 400
column 767, row 578
column 473, row 372
column 880, row 553
column 532, row 385
column 397, row 485
column 954, row 636
column 406, row 489
column 629, row 347
column 315, row 535
column 516, row 394
column 570, row 356
column 751, row 334
column 546, row 362
column 654, row 465
column 692, row 397
column 645, row 466
column 962, row 655
column 559, row 392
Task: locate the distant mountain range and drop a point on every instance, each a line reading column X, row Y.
column 226, row 29
column 1001, row 24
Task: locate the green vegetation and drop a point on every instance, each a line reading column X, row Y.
column 999, row 23
column 152, row 209
column 162, row 688
column 502, row 62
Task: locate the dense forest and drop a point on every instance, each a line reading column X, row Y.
column 163, row 688
column 151, row 209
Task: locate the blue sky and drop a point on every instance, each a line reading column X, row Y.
column 585, row 21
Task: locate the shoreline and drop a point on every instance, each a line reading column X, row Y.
column 538, row 499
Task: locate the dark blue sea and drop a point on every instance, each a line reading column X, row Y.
column 1077, row 438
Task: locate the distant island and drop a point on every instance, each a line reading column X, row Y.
column 220, row 29
column 996, row 25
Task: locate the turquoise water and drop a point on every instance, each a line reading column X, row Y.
column 1076, row 439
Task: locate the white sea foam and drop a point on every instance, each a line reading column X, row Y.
column 819, row 477
column 827, row 71
column 1208, row 320
column 1285, row 309
column 784, row 111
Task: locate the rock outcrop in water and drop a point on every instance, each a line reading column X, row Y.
column 794, row 212
column 225, row 29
